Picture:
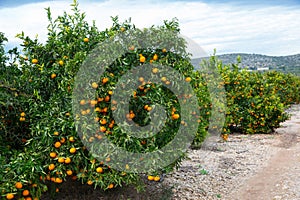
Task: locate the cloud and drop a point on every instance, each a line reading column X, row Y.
column 269, row 29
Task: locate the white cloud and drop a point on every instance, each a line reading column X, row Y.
column 271, row 30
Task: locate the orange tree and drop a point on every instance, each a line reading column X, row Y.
column 12, row 115
column 286, row 85
column 39, row 140
column 256, row 102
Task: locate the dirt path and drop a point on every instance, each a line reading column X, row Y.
column 254, row 167
column 280, row 178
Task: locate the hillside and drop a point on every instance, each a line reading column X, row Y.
column 255, row 61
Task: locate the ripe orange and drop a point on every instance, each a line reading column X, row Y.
column 61, row 63
column 51, row 167
column 163, row 79
column 82, row 102
column 94, row 85
column 91, row 139
column 68, row 160
column 10, row 196
column 57, row 144
column 164, row 50
column 58, row 180
column 93, row 102
column 25, row 193
column 156, row 178
column 96, row 119
column 28, row 198
column 104, row 109
column 61, row 160
column 18, row 185
column 69, row 172
column 110, row 92
column 105, row 80
column 53, row 76
column 141, row 87
column 72, row 150
column 22, row 114
column 62, row 140
column 86, row 40
column 89, row 182
column 155, row 57
column 99, row 137
column 53, row 154
column 175, row 116
column 56, row 133
column 110, row 186
column 99, row 169
column 131, row 48
column 103, row 121
column 131, row 115
column 22, row 119
column 34, row 61
column 122, row 29
column 97, row 109
column 188, row 79
column 150, row 178
column 225, row 137
column 154, row 70
column 142, row 59
column 71, row 139
column 107, row 98
column 114, row 102
column 100, row 99
column 141, row 79
column 102, row 129
column 149, row 108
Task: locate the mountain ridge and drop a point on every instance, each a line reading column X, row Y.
column 289, row 64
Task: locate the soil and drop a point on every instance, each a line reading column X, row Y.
column 262, row 166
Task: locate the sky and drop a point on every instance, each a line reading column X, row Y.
column 269, row 27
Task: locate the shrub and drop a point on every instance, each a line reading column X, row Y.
column 254, row 105
column 37, row 117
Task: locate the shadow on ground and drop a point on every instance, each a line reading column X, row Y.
column 74, row 190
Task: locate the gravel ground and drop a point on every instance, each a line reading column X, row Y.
column 262, row 166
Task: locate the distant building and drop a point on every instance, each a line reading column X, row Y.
column 263, row 68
